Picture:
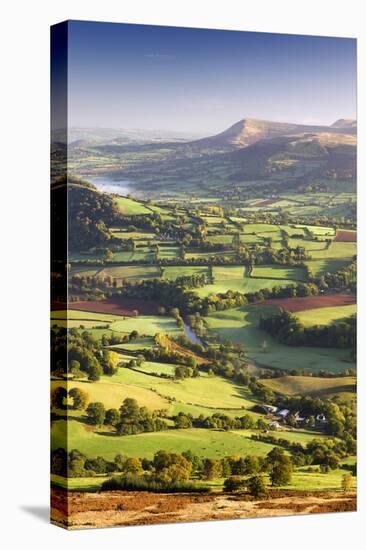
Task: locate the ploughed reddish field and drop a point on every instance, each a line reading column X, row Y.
column 346, row 236
column 266, row 202
column 311, row 302
column 117, row 305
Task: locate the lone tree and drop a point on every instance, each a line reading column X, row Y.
column 59, row 398
column 111, row 417
column 211, row 469
column 94, row 372
column 234, row 484
column 96, row 413
column 280, row 467
column 132, row 466
column 74, row 367
column 256, row 486
column 80, row 398
column 347, row 482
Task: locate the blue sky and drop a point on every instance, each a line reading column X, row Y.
column 202, row 81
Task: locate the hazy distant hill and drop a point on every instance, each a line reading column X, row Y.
column 96, row 136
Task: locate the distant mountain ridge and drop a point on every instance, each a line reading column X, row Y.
column 250, row 130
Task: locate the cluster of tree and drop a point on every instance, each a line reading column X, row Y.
column 219, row 421
column 168, row 293
column 81, row 283
column 196, row 280
column 89, row 215
column 345, row 278
column 130, row 419
column 171, row 468
column 115, row 338
column 207, row 246
column 278, row 373
column 78, row 353
column 162, row 354
column 75, row 398
column 181, row 371
column 288, row 329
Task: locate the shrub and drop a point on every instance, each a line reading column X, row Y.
column 144, row 483
column 234, row 484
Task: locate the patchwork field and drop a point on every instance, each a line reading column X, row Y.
column 235, row 278
column 240, row 241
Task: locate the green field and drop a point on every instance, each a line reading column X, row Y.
column 135, row 345
column 214, row 392
column 336, row 250
column 131, row 273
column 241, row 325
column 156, row 368
column 279, row 272
column 205, row 443
column 235, row 278
column 325, row 315
column 302, row 480
column 173, row 272
column 307, row 385
column 111, row 393
column 76, row 314
column 318, row 231
column 326, row 265
column 130, row 207
column 149, row 325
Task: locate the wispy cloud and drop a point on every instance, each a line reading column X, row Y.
column 160, row 56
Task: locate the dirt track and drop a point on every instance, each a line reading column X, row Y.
column 135, row 508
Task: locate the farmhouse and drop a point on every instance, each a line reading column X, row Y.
column 275, row 425
column 299, row 418
column 270, row 408
column 283, row 413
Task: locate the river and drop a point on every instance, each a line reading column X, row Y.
column 109, row 185
column 192, row 336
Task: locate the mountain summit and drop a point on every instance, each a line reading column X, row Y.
column 250, row 130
